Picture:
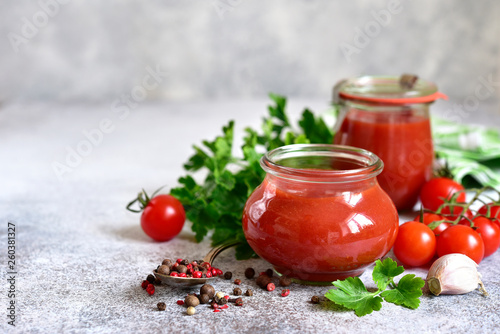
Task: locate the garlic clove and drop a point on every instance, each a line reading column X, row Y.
column 454, row 274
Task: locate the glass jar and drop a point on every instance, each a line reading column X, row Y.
column 382, row 116
column 320, row 214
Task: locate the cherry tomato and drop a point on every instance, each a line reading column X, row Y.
column 163, row 217
column 436, row 189
column 460, row 239
column 457, row 210
column 429, row 218
column 494, row 212
column 415, row 244
column 489, row 232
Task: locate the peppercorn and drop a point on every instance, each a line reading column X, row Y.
column 315, row 300
column 237, row 281
column 269, row 272
column 150, row 278
column 285, row 292
column 237, row 292
column 184, row 262
column 239, row 302
column 167, row 262
column 214, row 305
column 207, row 289
column 150, row 289
column 144, row 284
column 161, row 306
column 204, row 298
column 191, row 300
column 191, row 310
column 228, row 275
column 263, row 281
column 182, row 269
column 157, row 281
column 249, row 292
column 249, row 273
column 163, row 269
column 270, row 287
column 285, row 281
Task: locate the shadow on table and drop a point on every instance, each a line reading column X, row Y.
column 135, row 233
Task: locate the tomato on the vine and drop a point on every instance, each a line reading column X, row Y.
column 163, row 216
column 429, row 218
column 433, row 192
column 415, row 244
column 489, row 232
column 494, row 214
column 447, row 212
column 460, row 239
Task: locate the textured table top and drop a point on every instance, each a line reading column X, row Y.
column 80, row 256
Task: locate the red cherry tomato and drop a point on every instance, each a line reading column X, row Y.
column 489, row 232
column 163, row 217
column 494, row 212
column 429, row 218
column 415, row 244
column 436, row 189
column 460, row 239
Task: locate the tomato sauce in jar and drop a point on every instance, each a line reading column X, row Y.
column 379, row 115
column 320, row 214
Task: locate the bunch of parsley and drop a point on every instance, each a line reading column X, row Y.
column 217, row 203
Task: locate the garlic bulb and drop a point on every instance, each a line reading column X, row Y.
column 454, row 274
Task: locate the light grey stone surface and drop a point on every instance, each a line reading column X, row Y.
column 81, row 256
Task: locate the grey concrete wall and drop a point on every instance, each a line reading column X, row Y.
column 94, row 50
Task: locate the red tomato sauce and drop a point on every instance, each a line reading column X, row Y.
column 402, row 141
column 318, row 233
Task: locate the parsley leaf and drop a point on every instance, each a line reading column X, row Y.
column 406, row 293
column 352, row 293
column 384, row 272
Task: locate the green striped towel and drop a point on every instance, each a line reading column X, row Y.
column 472, row 152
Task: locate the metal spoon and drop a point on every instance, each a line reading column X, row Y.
column 190, row 281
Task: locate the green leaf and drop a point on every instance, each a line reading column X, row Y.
column 406, row 293
column 278, row 110
column 384, row 272
column 352, row 293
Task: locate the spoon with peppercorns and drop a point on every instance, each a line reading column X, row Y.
column 183, row 273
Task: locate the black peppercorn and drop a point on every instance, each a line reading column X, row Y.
column 207, row 289
column 285, row 281
column 161, row 306
column 249, row 273
column 249, row 292
column 182, row 269
column 315, row 300
column 263, row 281
column 184, row 262
column 167, row 262
column 269, row 272
column 204, row 298
column 237, row 292
column 151, row 279
column 163, row 269
column 228, row 275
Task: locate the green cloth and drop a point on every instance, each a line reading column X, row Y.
column 472, row 152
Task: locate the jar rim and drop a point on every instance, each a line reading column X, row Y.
column 387, row 90
column 369, row 164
